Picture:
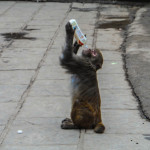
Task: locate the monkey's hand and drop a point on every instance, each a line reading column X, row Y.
column 69, row 29
column 76, row 46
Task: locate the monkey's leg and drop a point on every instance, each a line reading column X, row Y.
column 99, row 128
column 68, row 124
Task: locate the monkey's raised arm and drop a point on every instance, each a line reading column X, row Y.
column 73, row 63
column 67, row 52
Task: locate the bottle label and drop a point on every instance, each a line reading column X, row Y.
column 81, row 39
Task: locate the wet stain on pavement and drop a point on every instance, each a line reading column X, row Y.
column 116, row 17
column 30, row 29
column 147, row 136
column 16, row 35
column 112, row 24
column 85, row 9
column 27, row 28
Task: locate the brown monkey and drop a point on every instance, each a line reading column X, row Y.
column 86, row 102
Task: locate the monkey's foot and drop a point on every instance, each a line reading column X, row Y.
column 99, row 128
column 67, row 120
column 68, row 124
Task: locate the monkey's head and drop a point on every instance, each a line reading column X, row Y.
column 94, row 56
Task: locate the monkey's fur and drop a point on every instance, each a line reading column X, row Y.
column 86, row 102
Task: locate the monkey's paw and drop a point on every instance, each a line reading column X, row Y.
column 69, row 29
column 68, row 124
column 99, row 128
column 66, row 120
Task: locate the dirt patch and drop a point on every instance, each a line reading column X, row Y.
column 112, row 24
column 85, row 9
column 30, row 29
column 116, row 17
column 18, row 36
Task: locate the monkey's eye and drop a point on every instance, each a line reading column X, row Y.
column 94, row 53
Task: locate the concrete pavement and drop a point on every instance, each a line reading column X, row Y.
column 34, row 89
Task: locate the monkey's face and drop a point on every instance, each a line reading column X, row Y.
column 94, row 56
column 89, row 53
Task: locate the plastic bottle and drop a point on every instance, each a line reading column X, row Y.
column 81, row 39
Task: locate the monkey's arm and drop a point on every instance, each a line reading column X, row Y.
column 76, row 47
column 73, row 63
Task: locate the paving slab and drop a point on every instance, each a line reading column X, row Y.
column 24, row 63
column 112, row 81
column 28, row 58
column 49, row 147
column 48, row 105
column 119, row 122
column 53, row 58
column 112, row 67
column 49, row 23
column 26, row 9
column 116, row 141
column 38, row 43
column 20, row 52
column 10, row 19
column 115, row 55
column 49, row 73
column 6, row 110
column 38, row 28
column 15, row 77
column 6, row 30
column 41, row 131
column 2, row 42
column 12, row 25
column 106, row 41
column 118, row 99
column 5, row 6
column 50, row 88
column 11, row 93
column 1, row 128
column 114, row 10
column 40, row 35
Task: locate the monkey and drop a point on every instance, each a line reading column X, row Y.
column 86, row 101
